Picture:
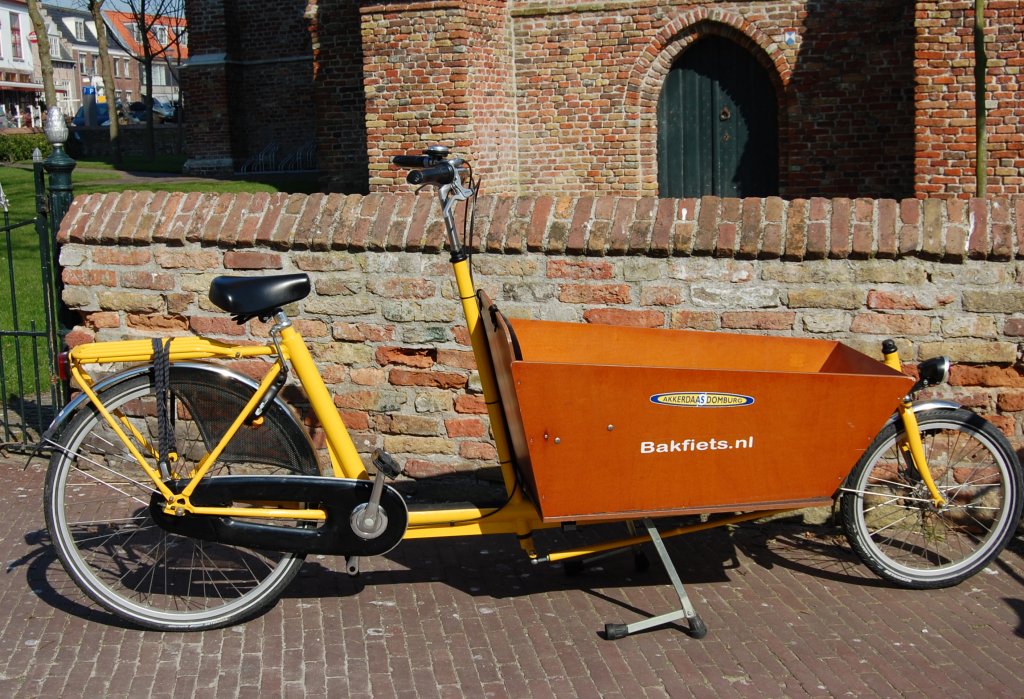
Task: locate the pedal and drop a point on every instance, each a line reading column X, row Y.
column 386, row 464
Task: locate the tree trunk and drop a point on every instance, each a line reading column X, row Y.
column 107, row 68
column 45, row 61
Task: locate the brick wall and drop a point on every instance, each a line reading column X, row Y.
column 439, row 72
column 942, row 277
column 875, row 97
column 95, row 142
column 248, row 85
column 587, row 77
column 338, row 103
column 945, row 95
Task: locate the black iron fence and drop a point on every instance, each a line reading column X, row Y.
column 30, row 317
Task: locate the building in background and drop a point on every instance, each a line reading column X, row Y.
column 167, row 44
column 19, row 78
column 78, row 35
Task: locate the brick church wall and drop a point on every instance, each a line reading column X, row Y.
column 248, row 85
column 944, row 65
column 439, row 72
column 875, row 97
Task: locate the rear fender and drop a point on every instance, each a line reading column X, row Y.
column 213, row 375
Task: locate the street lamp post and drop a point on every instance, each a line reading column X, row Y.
column 59, row 166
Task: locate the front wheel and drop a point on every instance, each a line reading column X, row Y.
column 97, row 505
column 891, row 521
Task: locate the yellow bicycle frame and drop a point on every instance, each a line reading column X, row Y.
column 913, row 431
column 517, row 516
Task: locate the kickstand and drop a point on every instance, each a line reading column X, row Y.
column 697, row 629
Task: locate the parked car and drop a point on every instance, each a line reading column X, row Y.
column 162, row 110
column 125, row 116
column 102, row 116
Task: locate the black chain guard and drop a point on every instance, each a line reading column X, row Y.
column 338, row 497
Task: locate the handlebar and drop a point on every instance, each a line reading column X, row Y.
column 413, row 160
column 453, row 178
column 438, row 174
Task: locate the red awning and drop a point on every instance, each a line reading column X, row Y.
column 31, row 87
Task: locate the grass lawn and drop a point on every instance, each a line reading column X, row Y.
column 19, row 248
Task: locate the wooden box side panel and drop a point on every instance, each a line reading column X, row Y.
column 577, row 343
column 846, row 360
column 607, row 440
column 502, row 356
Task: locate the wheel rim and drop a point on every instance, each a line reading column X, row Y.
column 902, row 527
column 124, row 560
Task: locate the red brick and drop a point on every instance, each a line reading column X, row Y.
column 467, row 404
column 235, row 259
column 1011, row 401
column 906, row 300
column 156, row 322
column 694, row 320
column 363, row 332
column 759, row 320
column 1014, row 327
column 477, row 451
column 355, row 419
column 465, row 427
column 147, row 280
column 80, row 336
column 992, row 376
column 594, row 293
column 216, row 325
column 120, row 256
column 433, row 379
column 620, row 316
column 574, row 268
column 460, row 359
column 88, row 277
column 421, row 468
column 103, row 319
column 422, row 358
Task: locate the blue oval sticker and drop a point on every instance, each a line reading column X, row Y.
column 702, row 399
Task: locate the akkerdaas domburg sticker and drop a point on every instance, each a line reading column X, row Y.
column 699, row 399
column 702, row 399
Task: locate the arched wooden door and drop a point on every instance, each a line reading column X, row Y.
column 717, row 125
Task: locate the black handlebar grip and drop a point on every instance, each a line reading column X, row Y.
column 413, row 160
column 439, row 174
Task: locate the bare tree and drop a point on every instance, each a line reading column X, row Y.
column 107, row 70
column 158, row 27
column 45, row 62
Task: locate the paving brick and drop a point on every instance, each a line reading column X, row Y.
column 790, row 613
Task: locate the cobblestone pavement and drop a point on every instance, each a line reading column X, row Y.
column 790, row 613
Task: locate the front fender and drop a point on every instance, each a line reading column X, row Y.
column 919, row 406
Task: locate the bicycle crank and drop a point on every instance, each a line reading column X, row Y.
column 344, row 500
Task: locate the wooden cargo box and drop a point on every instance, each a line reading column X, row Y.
column 614, row 422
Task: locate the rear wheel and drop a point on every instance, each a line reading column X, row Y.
column 891, row 522
column 97, row 501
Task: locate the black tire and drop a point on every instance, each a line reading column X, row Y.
column 97, row 498
column 887, row 511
